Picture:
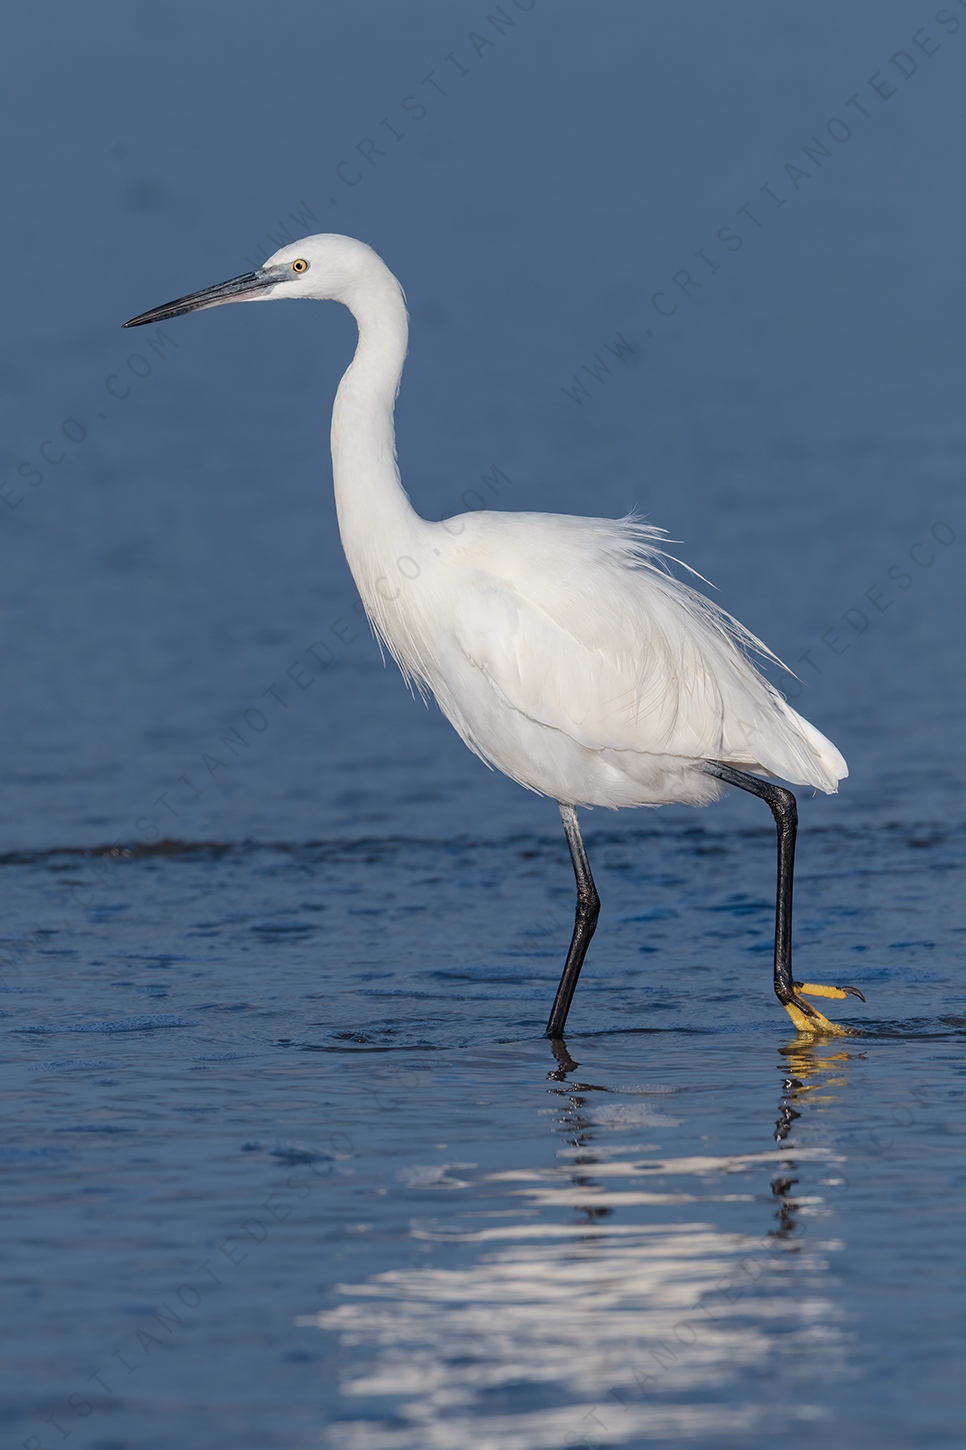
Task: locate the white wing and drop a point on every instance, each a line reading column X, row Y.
column 574, row 624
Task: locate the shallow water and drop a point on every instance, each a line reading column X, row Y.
column 293, row 1165
column 286, row 1159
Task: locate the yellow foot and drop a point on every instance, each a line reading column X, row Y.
column 808, row 1019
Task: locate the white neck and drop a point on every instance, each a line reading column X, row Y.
column 377, row 523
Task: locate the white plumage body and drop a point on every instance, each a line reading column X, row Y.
column 565, row 655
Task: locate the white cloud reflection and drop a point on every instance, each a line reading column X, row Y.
column 556, row 1334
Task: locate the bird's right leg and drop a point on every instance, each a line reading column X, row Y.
column 585, row 923
column 783, row 807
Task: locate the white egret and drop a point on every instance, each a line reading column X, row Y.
column 561, row 649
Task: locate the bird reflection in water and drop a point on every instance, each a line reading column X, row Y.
column 580, row 1125
column 808, row 1075
column 611, row 1297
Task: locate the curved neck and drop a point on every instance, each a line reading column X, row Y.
column 376, row 520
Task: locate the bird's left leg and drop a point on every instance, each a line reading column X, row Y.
column 585, row 923
column 785, row 811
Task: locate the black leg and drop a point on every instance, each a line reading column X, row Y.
column 585, row 923
column 781, row 802
column 782, row 805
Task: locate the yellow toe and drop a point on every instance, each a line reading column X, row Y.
column 811, row 990
column 816, row 1023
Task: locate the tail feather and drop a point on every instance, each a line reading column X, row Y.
column 799, row 753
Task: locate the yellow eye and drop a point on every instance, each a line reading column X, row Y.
column 300, row 265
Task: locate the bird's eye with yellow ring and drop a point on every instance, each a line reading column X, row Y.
column 300, row 265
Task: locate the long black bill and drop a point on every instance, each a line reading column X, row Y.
column 238, row 289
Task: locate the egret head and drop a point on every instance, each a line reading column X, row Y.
column 324, row 267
